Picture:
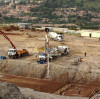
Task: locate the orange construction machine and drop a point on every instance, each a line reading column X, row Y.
column 14, row 53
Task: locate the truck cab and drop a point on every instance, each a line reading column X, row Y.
column 59, row 38
column 43, row 57
column 12, row 53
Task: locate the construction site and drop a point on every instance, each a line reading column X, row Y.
column 71, row 76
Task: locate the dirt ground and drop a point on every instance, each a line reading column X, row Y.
column 29, row 40
column 78, row 45
column 42, row 85
column 87, row 70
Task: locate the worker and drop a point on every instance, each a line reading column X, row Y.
column 79, row 91
column 79, row 59
column 90, row 34
column 85, row 54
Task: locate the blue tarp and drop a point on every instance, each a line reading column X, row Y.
column 2, row 57
column 41, row 62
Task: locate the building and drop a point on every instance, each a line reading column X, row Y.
column 90, row 33
column 25, row 25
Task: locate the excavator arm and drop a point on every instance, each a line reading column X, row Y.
column 5, row 36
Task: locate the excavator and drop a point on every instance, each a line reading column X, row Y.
column 14, row 53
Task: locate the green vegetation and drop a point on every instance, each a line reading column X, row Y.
column 90, row 25
column 70, row 27
column 81, row 4
column 48, row 7
column 2, row 3
column 11, row 19
column 55, row 12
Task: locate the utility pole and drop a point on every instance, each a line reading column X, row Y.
column 48, row 67
column 46, row 50
column 46, row 43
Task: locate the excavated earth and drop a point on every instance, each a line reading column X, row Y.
column 64, row 70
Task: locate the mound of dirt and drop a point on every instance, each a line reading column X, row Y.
column 9, row 91
column 11, row 28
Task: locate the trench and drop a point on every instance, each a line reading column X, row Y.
column 67, row 81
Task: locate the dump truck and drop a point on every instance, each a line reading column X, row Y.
column 55, row 36
column 14, row 53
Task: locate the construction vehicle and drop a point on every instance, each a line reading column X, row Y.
column 43, row 57
column 55, row 36
column 49, row 29
column 53, row 53
column 64, row 50
column 14, row 53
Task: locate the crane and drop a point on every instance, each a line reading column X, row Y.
column 4, row 34
column 14, row 53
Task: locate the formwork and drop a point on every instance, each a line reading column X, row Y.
column 81, row 91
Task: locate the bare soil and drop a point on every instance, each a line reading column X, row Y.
column 62, row 68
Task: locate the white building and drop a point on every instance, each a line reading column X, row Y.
column 90, row 33
column 25, row 25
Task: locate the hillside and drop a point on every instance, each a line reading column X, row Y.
column 80, row 12
column 81, row 4
column 84, row 13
